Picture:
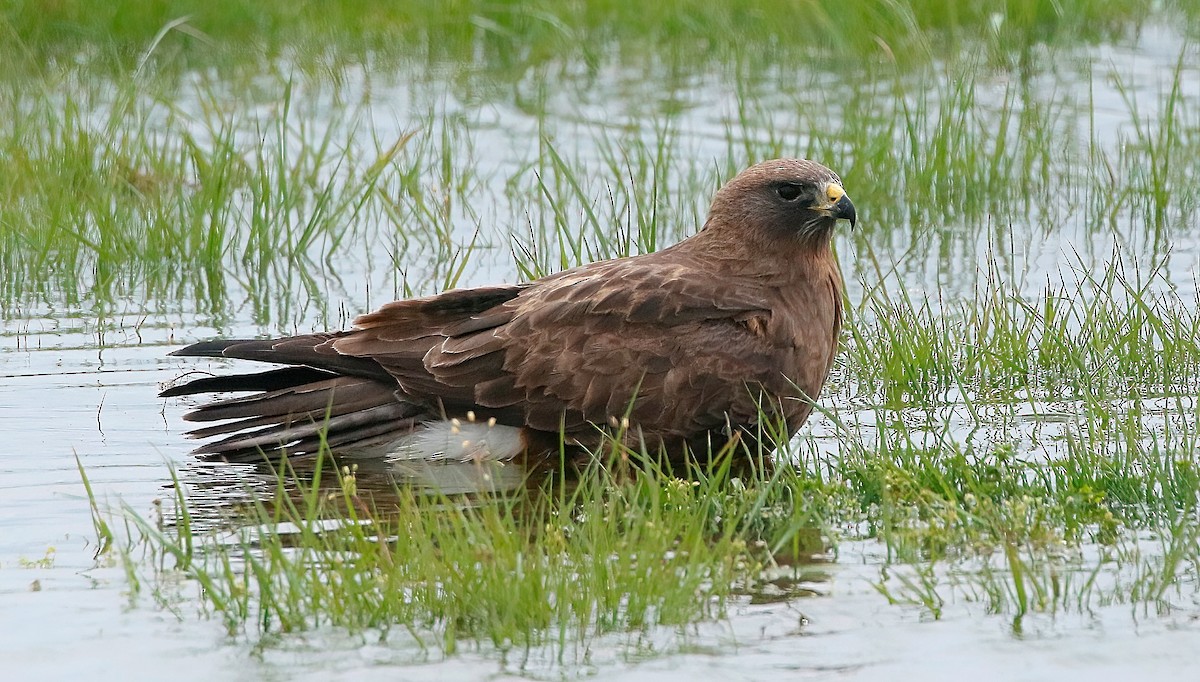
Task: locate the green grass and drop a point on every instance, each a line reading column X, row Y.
column 1084, row 342
column 1005, row 433
column 556, row 564
column 177, row 194
column 552, row 564
column 511, row 37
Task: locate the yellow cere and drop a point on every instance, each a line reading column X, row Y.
column 834, row 191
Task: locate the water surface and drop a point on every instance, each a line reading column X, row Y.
column 83, row 357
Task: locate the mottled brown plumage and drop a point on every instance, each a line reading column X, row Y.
column 692, row 344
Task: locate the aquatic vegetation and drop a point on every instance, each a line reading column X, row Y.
column 554, row 563
column 1011, row 428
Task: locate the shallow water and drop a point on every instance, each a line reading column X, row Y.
column 78, row 387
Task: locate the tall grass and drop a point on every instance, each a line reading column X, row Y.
column 1109, row 336
column 511, row 37
column 542, row 565
column 217, row 189
column 1025, row 442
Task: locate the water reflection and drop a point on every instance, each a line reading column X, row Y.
column 223, row 498
column 1090, row 131
column 220, row 494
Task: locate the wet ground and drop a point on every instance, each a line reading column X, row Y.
column 75, row 391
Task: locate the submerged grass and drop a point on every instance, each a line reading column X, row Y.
column 547, row 564
column 1096, row 516
column 217, row 190
column 1031, row 465
column 1030, row 446
column 1105, row 337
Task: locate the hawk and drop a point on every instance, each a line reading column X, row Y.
column 675, row 351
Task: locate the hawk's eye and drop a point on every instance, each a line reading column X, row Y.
column 788, row 192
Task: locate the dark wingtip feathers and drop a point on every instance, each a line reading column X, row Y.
column 262, row 381
column 208, row 349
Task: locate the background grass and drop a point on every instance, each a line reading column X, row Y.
column 1011, row 423
column 510, row 36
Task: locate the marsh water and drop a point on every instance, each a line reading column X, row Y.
column 85, row 353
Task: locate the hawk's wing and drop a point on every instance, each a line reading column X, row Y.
column 577, row 347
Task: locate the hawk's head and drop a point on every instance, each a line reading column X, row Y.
column 785, row 196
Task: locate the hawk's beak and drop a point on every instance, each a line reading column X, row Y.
column 844, row 209
column 840, row 207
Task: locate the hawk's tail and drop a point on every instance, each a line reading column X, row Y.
column 292, row 410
